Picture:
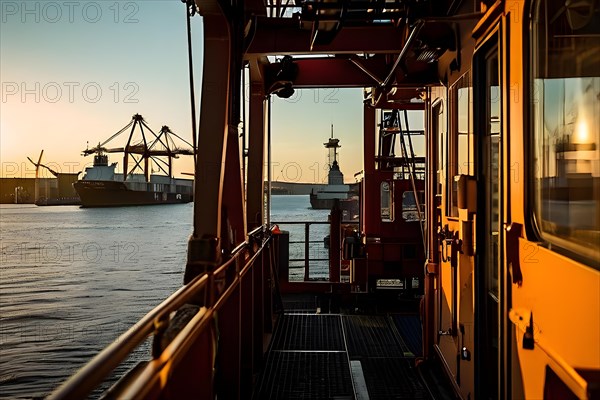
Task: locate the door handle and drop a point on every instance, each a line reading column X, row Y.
column 455, row 248
column 513, row 233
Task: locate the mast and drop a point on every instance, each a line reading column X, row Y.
column 332, row 145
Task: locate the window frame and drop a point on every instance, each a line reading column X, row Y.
column 453, row 157
column 534, row 230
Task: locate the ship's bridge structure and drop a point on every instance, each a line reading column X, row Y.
column 392, row 49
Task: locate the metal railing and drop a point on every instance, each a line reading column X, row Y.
column 308, row 249
column 99, row 368
column 214, row 291
column 301, row 240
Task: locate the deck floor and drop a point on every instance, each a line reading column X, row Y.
column 337, row 356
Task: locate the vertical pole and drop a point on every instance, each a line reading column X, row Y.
column 125, row 162
column 431, row 266
column 306, row 251
column 247, row 320
column 269, row 105
column 191, row 72
column 267, row 285
column 335, row 242
column 146, row 165
column 36, row 184
column 204, row 246
column 234, row 223
column 255, row 180
column 258, row 304
column 214, row 128
column 244, row 153
column 369, row 200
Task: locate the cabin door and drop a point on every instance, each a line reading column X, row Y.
column 488, row 295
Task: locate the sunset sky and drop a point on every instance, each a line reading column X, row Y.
column 74, row 73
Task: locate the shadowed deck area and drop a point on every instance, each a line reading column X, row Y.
column 339, row 356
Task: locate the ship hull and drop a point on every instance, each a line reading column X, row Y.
column 114, row 194
column 349, row 206
column 58, row 201
column 321, row 204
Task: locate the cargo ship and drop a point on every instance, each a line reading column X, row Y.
column 102, row 186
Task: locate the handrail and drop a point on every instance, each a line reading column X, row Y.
column 165, row 363
column 225, row 295
column 312, row 222
column 247, row 266
column 307, row 259
column 96, row 370
column 141, row 386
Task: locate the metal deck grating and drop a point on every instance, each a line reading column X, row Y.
column 311, row 355
column 392, row 378
column 373, row 336
column 409, row 327
column 309, row 332
column 306, row 375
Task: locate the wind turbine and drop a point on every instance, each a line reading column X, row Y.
column 37, row 170
column 37, row 175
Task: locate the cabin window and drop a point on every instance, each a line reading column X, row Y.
column 566, row 125
column 436, row 111
column 439, row 129
column 387, row 201
column 461, row 143
column 410, row 212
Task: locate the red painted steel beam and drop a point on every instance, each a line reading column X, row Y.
column 335, row 72
column 327, row 72
column 204, row 246
column 369, row 149
column 233, row 228
column 255, row 210
column 281, row 36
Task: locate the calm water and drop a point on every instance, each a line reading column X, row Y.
column 73, row 279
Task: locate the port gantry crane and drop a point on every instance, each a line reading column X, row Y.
column 155, row 148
